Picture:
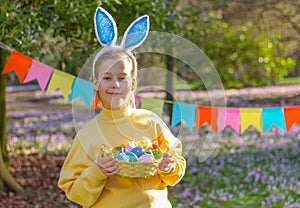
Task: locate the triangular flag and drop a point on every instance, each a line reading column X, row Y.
column 84, row 89
column 206, row 114
column 229, row 117
column 18, row 62
column 183, row 112
column 39, row 71
column 292, row 115
column 250, row 116
column 273, row 116
column 138, row 101
column 61, row 80
column 154, row 105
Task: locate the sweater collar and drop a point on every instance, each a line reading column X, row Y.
column 115, row 114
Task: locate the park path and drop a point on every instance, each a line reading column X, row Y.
column 30, row 98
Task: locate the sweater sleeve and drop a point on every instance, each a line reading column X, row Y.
column 172, row 177
column 169, row 143
column 80, row 177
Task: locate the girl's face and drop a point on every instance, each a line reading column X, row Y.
column 114, row 83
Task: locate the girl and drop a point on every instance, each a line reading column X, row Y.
column 92, row 180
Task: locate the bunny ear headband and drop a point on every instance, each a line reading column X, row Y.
column 106, row 33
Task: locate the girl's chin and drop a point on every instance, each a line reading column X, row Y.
column 115, row 106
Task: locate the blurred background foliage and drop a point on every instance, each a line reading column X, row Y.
column 250, row 42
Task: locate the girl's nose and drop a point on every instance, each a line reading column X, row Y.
column 115, row 83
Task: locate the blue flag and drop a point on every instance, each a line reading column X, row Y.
column 84, row 89
column 183, row 112
column 273, row 116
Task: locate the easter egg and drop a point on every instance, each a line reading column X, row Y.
column 156, row 154
column 132, row 157
column 146, row 157
column 123, row 156
column 154, row 145
column 129, row 146
column 138, row 151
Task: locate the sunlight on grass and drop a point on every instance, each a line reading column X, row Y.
column 290, row 80
column 249, row 170
column 252, row 170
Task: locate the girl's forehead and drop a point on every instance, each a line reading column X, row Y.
column 115, row 66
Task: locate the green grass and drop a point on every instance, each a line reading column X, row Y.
column 262, row 175
column 290, row 80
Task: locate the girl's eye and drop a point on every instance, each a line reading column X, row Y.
column 106, row 78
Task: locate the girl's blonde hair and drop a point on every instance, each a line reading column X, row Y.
column 115, row 55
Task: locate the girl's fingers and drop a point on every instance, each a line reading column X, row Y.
column 167, row 162
column 108, row 165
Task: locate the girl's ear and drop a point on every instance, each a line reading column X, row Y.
column 96, row 101
column 96, row 84
column 136, row 33
column 105, row 27
column 133, row 85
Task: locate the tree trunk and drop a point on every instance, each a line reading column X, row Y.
column 7, row 181
column 170, row 82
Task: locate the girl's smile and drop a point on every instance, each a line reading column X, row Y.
column 115, row 83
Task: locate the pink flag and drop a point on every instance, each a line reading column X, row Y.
column 229, row 117
column 39, row 71
column 138, row 101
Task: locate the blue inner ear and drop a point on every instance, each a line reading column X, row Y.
column 137, row 32
column 104, row 27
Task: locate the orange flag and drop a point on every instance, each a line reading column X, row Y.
column 291, row 115
column 206, row 114
column 18, row 62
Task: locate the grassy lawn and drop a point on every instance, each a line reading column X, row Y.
column 290, row 80
column 252, row 170
column 248, row 170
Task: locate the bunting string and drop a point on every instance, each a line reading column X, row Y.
column 193, row 116
column 5, row 47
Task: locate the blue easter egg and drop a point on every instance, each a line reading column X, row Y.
column 138, row 151
column 123, row 156
column 132, row 157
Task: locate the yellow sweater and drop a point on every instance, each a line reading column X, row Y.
column 86, row 185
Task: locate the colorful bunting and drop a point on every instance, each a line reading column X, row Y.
column 206, row 114
column 138, row 101
column 273, row 116
column 39, row 71
column 250, row 116
column 84, row 89
column 239, row 119
column 183, row 112
column 292, row 116
column 18, row 62
column 229, row 117
column 61, row 80
column 154, row 105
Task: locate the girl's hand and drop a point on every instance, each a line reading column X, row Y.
column 167, row 162
column 108, row 165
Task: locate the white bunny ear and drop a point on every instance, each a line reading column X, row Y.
column 136, row 33
column 105, row 27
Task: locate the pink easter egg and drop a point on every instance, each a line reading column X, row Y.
column 146, row 157
column 129, row 146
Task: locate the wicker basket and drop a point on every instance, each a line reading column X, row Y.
column 135, row 169
column 138, row 169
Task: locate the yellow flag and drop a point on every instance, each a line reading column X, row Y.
column 250, row 116
column 154, row 105
column 61, row 80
